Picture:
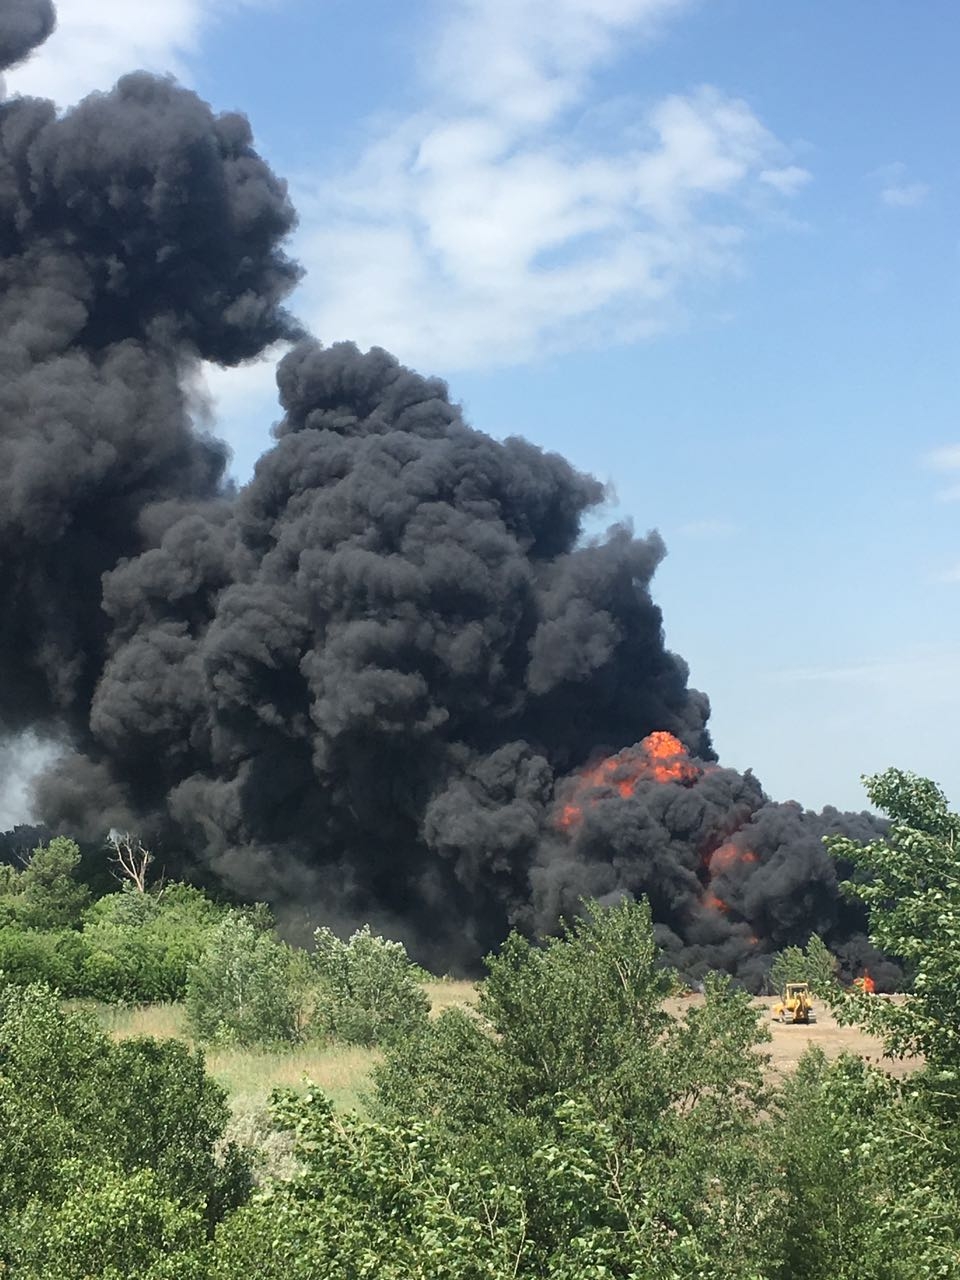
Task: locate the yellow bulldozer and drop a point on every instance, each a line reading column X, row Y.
column 796, row 1005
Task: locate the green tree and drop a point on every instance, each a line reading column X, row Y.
column 870, row 1164
column 81, row 1118
column 369, row 993
column 570, row 1127
column 814, row 964
column 241, row 990
column 141, row 944
column 911, row 888
column 50, row 896
column 107, row 1225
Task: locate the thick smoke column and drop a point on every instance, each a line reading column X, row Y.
column 138, row 233
column 362, row 675
column 370, row 680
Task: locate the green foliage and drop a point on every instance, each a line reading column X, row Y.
column 241, row 989
column 130, row 946
column 370, row 1201
column 862, row 1184
column 109, row 1226
column 46, row 894
column 908, row 1145
column 814, row 964
column 912, row 892
column 103, row 1141
column 55, row 957
column 142, row 944
column 569, row 1128
column 369, row 991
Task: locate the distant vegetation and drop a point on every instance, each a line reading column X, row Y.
column 565, row 1126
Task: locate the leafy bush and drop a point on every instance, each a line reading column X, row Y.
column 370, row 992
column 569, row 1129
column 241, row 989
column 90, row 1129
column 143, row 944
column 108, row 1226
column 57, row 958
column 814, row 964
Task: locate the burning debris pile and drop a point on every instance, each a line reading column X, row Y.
column 387, row 679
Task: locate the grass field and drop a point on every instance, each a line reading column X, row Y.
column 250, row 1075
column 343, row 1072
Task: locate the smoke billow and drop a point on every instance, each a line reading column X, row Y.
column 24, row 24
column 368, row 679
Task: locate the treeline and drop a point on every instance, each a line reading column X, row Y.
column 127, row 945
column 239, row 982
column 569, row 1128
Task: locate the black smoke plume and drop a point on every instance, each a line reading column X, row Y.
column 362, row 683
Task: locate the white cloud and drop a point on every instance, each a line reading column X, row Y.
column 97, row 41
column 22, row 757
column 240, row 404
column 525, row 60
column 946, row 460
column 897, row 190
column 492, row 226
column 787, row 180
column 906, row 195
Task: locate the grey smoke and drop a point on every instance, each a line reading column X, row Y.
column 24, row 24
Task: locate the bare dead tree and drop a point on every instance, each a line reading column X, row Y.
column 130, row 857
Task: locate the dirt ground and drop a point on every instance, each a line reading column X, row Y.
column 789, row 1041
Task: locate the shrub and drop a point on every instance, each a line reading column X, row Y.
column 108, row 1226
column 89, row 1128
column 240, row 990
column 370, row 992
column 142, row 944
column 56, row 957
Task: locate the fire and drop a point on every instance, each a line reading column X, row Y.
column 727, row 857
column 668, row 759
column 660, row 757
column 716, row 904
column 866, row 984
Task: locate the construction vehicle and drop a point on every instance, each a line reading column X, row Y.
column 796, row 1005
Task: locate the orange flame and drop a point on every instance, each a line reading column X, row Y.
column 716, row 904
column 866, row 984
column 727, row 857
column 660, row 757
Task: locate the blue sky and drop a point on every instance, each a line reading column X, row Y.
column 710, row 251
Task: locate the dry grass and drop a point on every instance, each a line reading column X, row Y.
column 249, row 1076
column 344, row 1071
column 447, row 993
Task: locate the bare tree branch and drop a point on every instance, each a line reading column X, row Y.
column 130, row 857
